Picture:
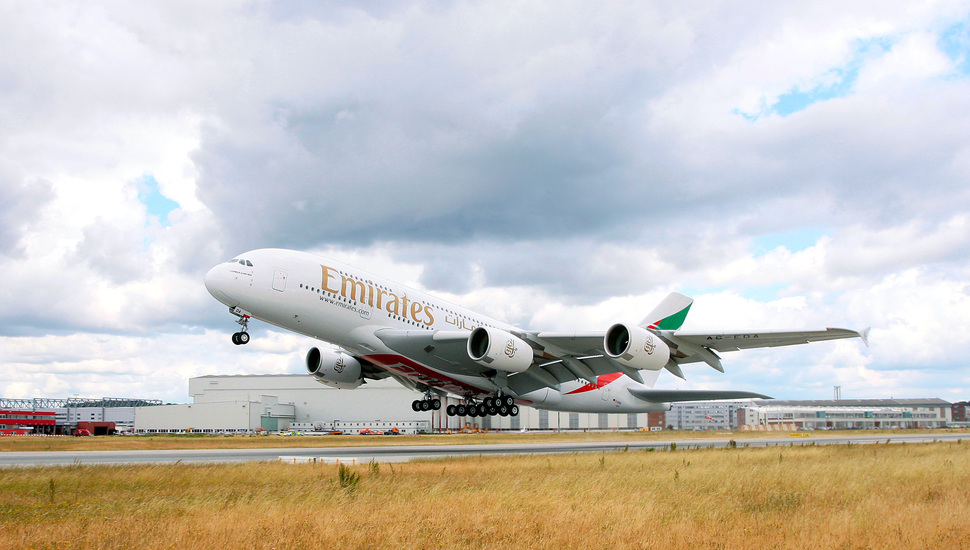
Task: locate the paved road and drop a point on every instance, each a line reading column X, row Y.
column 405, row 453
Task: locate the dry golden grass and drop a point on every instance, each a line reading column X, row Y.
column 851, row 497
column 161, row 442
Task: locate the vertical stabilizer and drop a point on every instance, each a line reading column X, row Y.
column 669, row 314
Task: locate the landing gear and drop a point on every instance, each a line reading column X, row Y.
column 427, row 404
column 502, row 405
column 242, row 337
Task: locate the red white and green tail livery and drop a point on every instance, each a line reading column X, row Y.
column 385, row 329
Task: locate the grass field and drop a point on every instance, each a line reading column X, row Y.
column 159, row 442
column 843, row 496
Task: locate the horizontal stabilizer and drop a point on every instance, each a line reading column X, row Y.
column 673, row 396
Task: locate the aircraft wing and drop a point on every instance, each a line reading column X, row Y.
column 563, row 357
column 694, row 347
column 582, row 357
column 733, row 341
column 685, row 346
column 444, row 350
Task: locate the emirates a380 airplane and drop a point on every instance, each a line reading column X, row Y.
column 386, row 329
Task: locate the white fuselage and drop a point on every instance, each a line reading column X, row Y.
column 344, row 306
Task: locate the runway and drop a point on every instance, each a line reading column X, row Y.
column 414, row 452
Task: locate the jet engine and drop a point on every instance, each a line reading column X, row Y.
column 636, row 347
column 334, row 368
column 499, row 350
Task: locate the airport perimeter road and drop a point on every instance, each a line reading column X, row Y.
column 405, row 453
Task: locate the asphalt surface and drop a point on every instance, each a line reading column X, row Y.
column 413, row 452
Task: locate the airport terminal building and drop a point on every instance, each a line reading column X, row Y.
column 846, row 414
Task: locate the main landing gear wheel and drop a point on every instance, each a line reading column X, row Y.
column 427, row 404
column 503, row 405
column 240, row 338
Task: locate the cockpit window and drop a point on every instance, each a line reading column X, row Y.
column 249, row 263
column 232, row 261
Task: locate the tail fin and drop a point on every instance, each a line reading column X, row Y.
column 669, row 314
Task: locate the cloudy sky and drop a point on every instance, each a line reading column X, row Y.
column 558, row 165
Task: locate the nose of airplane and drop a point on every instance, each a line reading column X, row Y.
column 217, row 283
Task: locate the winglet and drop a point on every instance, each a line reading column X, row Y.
column 669, row 314
column 865, row 335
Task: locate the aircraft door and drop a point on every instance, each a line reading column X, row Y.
column 279, row 280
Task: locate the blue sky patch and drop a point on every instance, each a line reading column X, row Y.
column 158, row 205
column 763, row 293
column 758, row 293
column 795, row 240
column 955, row 43
column 834, row 83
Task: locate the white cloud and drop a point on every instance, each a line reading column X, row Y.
column 559, row 166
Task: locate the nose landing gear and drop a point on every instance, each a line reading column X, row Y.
column 241, row 337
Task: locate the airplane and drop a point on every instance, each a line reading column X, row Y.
column 384, row 329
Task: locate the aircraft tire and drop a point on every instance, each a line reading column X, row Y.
column 235, row 338
column 450, row 410
column 508, row 400
column 436, row 404
column 243, row 338
column 514, row 410
column 489, row 401
column 503, row 410
column 416, row 405
column 425, row 405
column 461, row 410
column 493, row 410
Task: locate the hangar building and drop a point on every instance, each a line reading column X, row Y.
column 241, row 403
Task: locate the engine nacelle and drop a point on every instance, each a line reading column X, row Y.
column 334, row 369
column 636, row 347
column 499, row 350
